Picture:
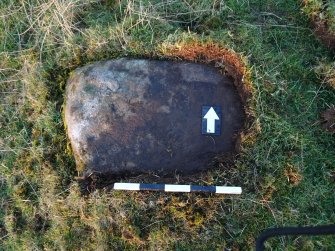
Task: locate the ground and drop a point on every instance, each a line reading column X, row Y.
column 286, row 165
column 322, row 18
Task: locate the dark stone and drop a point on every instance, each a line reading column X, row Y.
column 131, row 116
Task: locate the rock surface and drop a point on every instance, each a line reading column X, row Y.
column 126, row 116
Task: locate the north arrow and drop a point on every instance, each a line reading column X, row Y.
column 211, row 116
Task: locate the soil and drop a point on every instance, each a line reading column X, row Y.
column 328, row 120
column 322, row 31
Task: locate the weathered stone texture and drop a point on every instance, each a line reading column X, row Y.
column 129, row 116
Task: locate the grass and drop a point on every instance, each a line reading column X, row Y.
column 287, row 174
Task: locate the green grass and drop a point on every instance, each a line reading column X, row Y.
column 41, row 207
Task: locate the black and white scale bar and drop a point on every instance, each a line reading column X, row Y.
column 177, row 188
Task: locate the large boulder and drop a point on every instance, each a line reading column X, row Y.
column 130, row 116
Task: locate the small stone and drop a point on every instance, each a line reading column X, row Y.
column 129, row 116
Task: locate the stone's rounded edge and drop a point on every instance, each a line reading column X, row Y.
column 75, row 76
column 80, row 166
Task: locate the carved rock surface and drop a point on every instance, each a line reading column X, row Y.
column 130, row 116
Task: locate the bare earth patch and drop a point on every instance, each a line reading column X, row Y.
column 322, row 31
column 322, row 21
column 328, row 119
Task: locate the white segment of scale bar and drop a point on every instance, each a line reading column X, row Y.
column 127, row 186
column 177, row 188
column 228, row 190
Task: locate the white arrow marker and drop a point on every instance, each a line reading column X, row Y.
column 211, row 116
